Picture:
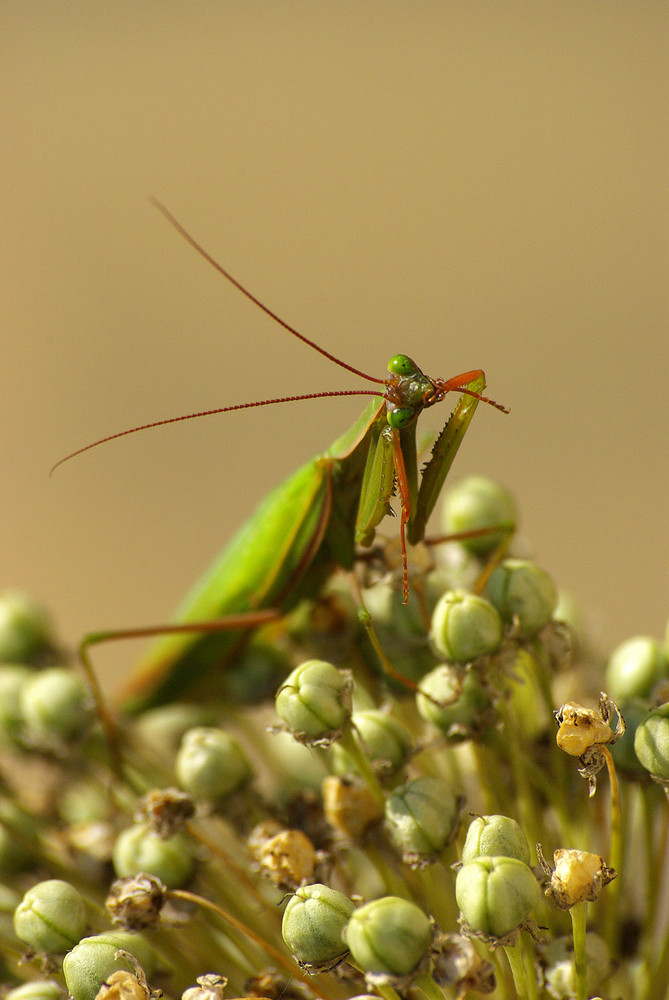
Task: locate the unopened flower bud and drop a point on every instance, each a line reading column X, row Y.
column 523, row 594
column 315, row 700
column 55, row 705
column 313, row 922
column 465, row 626
column 95, row 959
column 478, row 502
column 211, row 764
column 422, row 818
column 455, row 701
column 26, row 628
column 651, row 742
column 38, row 989
column 390, row 936
column 382, row 738
column 139, row 849
column 496, row 895
column 635, row 667
column 495, row 836
column 51, row 917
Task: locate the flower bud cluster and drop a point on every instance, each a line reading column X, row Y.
column 372, row 832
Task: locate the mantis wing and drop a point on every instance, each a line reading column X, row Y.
column 287, row 548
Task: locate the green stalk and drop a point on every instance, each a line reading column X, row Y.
column 515, row 960
column 426, row 986
column 578, row 915
column 348, row 742
column 615, row 855
column 387, row 992
column 530, row 967
column 291, row 967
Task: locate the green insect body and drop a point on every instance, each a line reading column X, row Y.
column 307, row 527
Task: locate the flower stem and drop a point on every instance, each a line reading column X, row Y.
column 426, row 986
column 515, row 960
column 578, row 914
column 615, row 853
column 348, row 742
column 291, row 967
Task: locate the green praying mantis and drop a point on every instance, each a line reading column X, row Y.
column 309, row 525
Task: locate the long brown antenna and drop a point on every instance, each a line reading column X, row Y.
column 209, row 413
column 233, row 281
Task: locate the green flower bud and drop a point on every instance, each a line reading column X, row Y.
column 315, row 700
column 313, row 922
column 55, row 704
column 26, row 629
column 635, row 667
column 382, row 738
column 84, row 801
column 211, row 764
column 12, row 678
column 163, row 728
column 524, row 594
column 389, row 935
column 496, row 895
column 465, row 627
column 422, row 818
column 139, row 849
column 39, row 989
column 301, row 769
column 495, row 836
column 478, row 502
column 51, row 917
column 93, row 960
column 558, row 959
column 651, row 742
column 454, row 700
column 524, row 695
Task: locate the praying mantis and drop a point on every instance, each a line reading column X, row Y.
column 309, row 525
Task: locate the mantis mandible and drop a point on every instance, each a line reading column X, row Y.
column 311, row 523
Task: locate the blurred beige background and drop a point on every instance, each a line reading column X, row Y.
column 474, row 184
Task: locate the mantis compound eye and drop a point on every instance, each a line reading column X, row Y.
column 401, row 364
column 401, row 417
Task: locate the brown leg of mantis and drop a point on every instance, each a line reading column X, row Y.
column 250, row 619
column 494, row 558
column 405, row 512
column 365, row 620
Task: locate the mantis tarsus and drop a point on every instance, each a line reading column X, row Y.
column 312, row 522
